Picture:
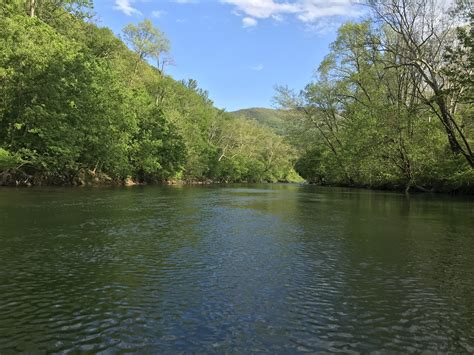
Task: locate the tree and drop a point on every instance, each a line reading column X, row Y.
column 148, row 42
column 60, row 107
column 48, row 9
column 421, row 35
column 362, row 122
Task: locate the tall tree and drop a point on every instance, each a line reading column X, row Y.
column 148, row 42
column 422, row 33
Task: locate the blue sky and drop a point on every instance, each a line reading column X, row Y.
column 238, row 50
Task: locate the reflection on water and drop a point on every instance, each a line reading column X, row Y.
column 281, row 268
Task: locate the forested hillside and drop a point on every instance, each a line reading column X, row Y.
column 266, row 117
column 391, row 105
column 80, row 106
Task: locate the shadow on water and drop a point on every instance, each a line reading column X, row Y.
column 280, row 268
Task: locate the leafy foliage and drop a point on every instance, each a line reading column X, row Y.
column 77, row 107
column 386, row 111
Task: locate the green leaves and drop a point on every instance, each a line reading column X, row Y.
column 9, row 161
column 148, row 42
column 61, row 101
column 247, row 151
column 366, row 120
column 78, row 107
column 159, row 151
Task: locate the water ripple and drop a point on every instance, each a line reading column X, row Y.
column 277, row 269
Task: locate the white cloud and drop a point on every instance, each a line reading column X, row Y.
column 323, row 26
column 261, row 8
column 307, row 11
column 157, row 13
column 249, row 22
column 257, row 67
column 126, row 7
column 311, row 10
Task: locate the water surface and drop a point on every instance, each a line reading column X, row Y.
column 275, row 268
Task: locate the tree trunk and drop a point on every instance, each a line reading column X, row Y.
column 32, row 8
column 458, row 146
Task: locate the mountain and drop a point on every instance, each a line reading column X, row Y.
column 264, row 116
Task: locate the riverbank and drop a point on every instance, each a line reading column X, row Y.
column 440, row 188
column 98, row 180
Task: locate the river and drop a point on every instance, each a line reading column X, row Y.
column 245, row 268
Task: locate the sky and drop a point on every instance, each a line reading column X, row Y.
column 238, row 50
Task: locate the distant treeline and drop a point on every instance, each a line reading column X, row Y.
column 392, row 103
column 79, row 106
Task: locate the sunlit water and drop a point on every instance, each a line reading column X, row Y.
column 275, row 268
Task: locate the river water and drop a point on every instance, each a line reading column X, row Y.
column 274, row 268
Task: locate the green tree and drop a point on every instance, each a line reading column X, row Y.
column 419, row 41
column 148, row 42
